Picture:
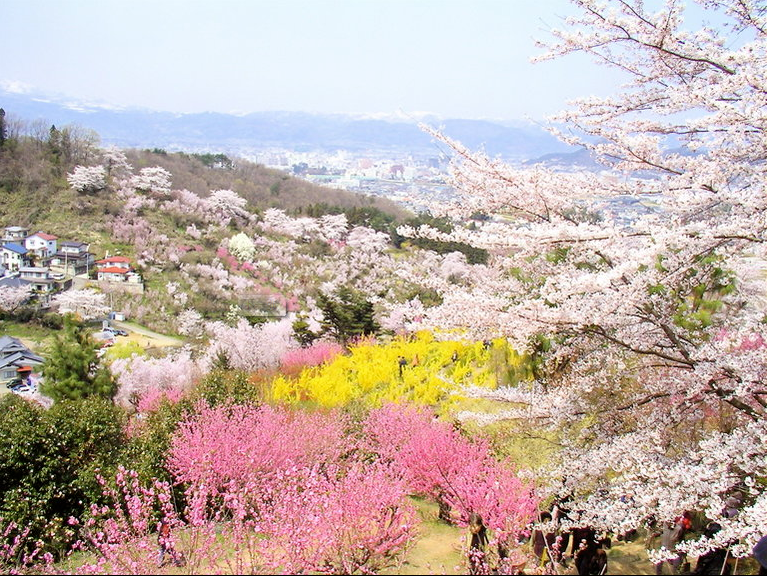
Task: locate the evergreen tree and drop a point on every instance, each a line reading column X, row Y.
column 72, row 369
column 49, row 462
column 302, row 332
column 347, row 314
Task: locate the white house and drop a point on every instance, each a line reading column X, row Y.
column 73, row 258
column 13, row 255
column 120, row 262
column 15, row 234
column 42, row 282
column 40, row 244
column 117, row 269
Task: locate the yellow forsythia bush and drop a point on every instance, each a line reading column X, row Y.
column 419, row 369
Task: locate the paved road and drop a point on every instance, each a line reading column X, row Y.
column 156, row 338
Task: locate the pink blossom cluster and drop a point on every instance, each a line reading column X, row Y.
column 143, row 382
column 318, row 353
column 439, row 462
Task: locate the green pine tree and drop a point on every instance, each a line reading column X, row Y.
column 347, row 314
column 72, row 368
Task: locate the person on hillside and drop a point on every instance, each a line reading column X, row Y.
column 165, row 543
column 760, row 555
column 714, row 561
column 402, row 363
column 543, row 542
column 672, row 534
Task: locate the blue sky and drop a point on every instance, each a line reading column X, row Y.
column 457, row 59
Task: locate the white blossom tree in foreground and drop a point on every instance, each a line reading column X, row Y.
column 651, row 336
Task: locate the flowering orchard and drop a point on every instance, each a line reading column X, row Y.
column 286, row 491
column 650, row 333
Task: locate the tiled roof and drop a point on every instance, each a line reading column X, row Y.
column 44, row 236
column 13, row 247
column 114, row 270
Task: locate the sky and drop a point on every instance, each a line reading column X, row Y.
column 455, row 59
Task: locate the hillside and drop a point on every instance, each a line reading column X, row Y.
column 172, row 235
column 34, row 191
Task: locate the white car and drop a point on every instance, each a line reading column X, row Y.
column 24, row 389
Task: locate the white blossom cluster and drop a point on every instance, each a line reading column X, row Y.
column 653, row 377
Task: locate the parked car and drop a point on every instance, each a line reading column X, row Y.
column 23, row 388
column 116, row 331
column 14, row 383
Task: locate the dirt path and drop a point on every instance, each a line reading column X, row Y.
column 438, row 548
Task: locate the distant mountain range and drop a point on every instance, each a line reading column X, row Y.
column 298, row 131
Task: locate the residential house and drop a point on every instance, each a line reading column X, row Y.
column 44, row 286
column 72, row 258
column 41, row 246
column 13, row 256
column 116, row 269
column 16, row 358
column 15, row 234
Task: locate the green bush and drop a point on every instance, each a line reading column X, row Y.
column 49, row 461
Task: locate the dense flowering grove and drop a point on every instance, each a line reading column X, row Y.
column 620, row 360
column 650, row 332
column 276, row 490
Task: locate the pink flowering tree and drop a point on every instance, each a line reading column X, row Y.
column 143, row 382
column 228, row 205
column 437, row 461
column 334, row 520
column 288, row 475
column 313, row 355
column 253, row 444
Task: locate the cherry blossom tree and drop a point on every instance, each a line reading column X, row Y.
column 138, row 376
column 12, row 297
column 153, row 180
column 87, row 303
column 367, row 240
column 190, row 322
column 115, row 162
column 87, row 179
column 228, row 204
column 639, row 326
column 249, row 347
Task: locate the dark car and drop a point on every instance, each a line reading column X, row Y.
column 15, row 383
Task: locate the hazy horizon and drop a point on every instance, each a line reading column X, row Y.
column 452, row 59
